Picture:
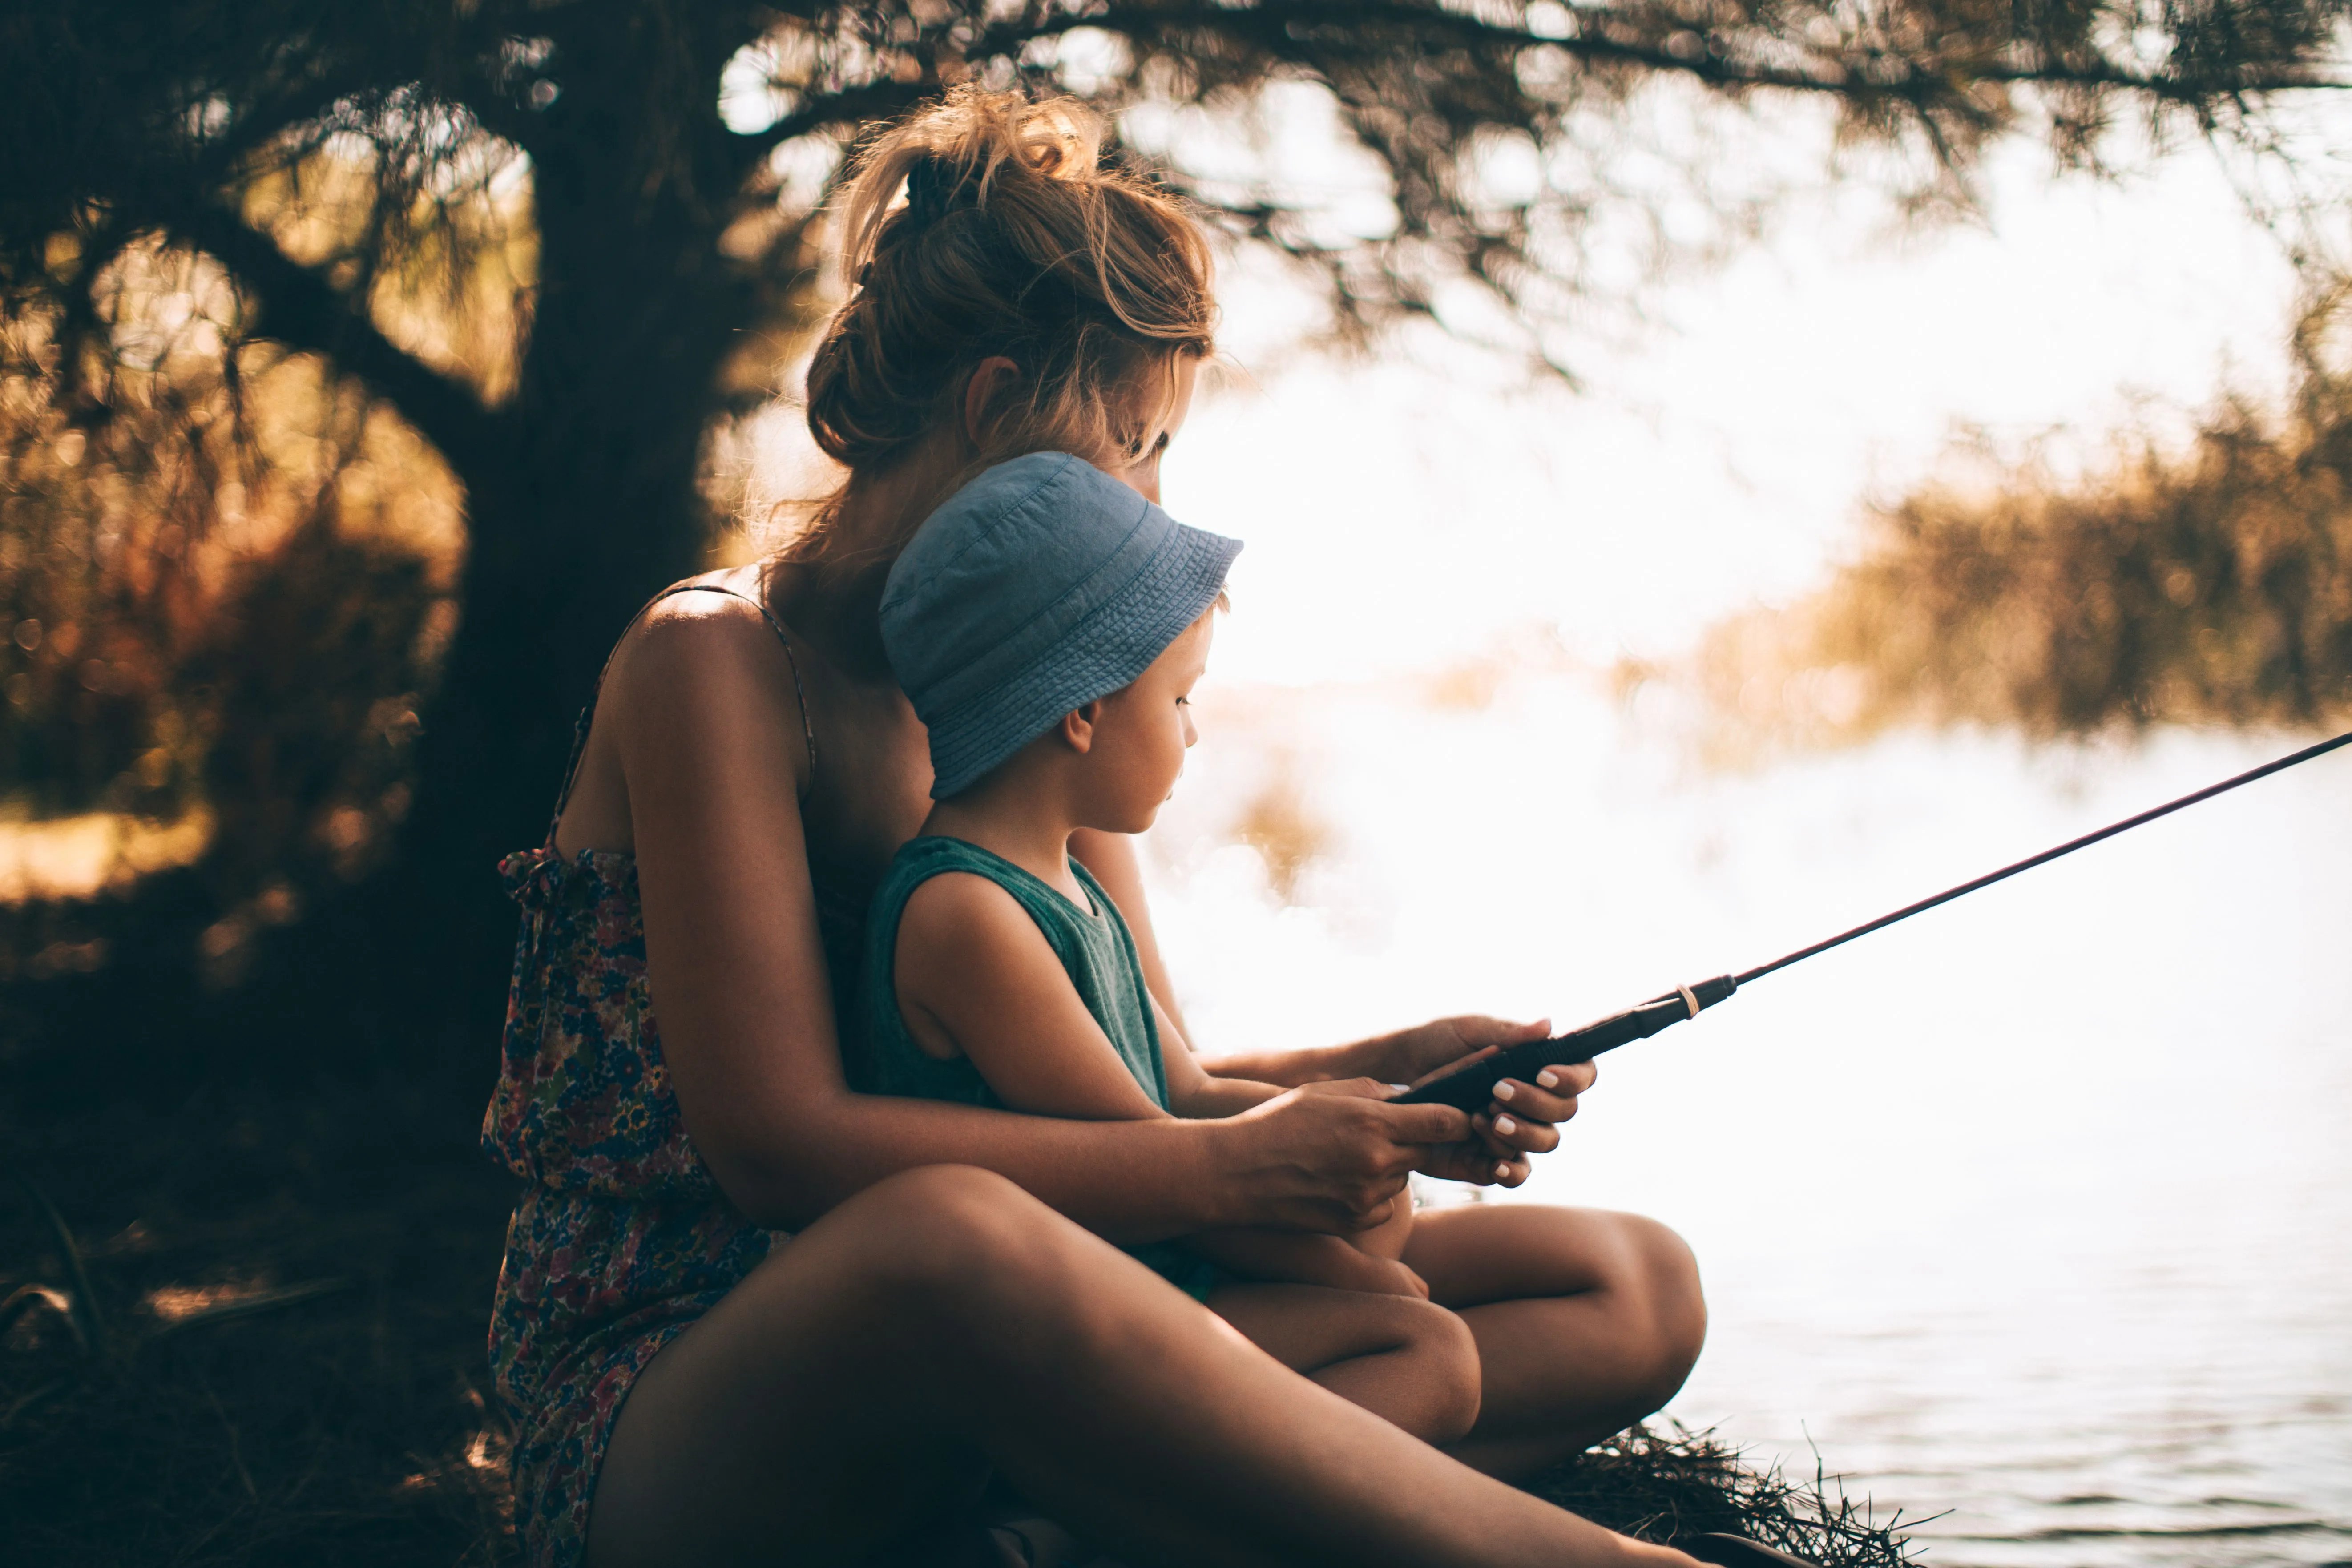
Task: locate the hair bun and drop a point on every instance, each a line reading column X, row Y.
column 1090, row 279
column 932, row 186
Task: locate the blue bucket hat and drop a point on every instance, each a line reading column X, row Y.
column 1039, row 586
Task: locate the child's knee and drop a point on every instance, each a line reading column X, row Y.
column 1446, row 1356
column 1678, row 1304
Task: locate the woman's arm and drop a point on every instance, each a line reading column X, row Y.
column 1505, row 1134
column 707, row 733
column 1399, row 1056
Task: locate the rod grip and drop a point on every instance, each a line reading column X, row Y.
column 1468, row 1085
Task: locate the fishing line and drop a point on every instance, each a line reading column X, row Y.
column 1467, row 1085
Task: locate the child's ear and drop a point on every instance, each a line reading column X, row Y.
column 1078, row 727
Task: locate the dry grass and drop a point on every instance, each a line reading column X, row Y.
column 284, row 1361
column 1668, row 1487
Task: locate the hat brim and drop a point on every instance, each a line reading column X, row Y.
column 1106, row 651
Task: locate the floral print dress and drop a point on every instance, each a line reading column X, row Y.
column 622, row 1238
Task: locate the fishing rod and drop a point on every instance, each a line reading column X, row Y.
column 1468, row 1084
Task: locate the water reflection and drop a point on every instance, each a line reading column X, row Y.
column 2034, row 1209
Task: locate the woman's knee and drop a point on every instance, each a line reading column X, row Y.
column 966, row 1252
column 953, row 1225
column 1456, row 1378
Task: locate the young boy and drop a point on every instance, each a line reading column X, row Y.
column 1048, row 623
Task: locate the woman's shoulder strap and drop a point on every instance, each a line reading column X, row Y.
column 800, row 691
column 587, row 714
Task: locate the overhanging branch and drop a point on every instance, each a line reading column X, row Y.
column 849, row 106
column 1886, row 75
column 299, row 308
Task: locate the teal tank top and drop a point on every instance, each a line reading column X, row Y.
column 1097, row 952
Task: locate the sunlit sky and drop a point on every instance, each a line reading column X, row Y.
column 1407, row 508
column 1402, row 511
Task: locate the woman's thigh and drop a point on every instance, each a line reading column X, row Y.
column 1586, row 1320
column 815, row 1412
column 842, row 1395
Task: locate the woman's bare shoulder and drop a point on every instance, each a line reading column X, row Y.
column 706, row 611
column 685, row 643
column 696, row 676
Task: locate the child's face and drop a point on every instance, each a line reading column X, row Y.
column 1140, row 734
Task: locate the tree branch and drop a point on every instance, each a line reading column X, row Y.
column 1268, row 26
column 301, row 310
column 872, row 101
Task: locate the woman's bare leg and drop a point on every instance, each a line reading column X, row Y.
column 943, row 1320
column 1409, row 1361
column 1586, row 1322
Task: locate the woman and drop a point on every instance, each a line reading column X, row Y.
column 745, row 776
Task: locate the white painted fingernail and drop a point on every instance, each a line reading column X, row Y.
column 1506, row 1126
column 1547, row 1078
column 1505, row 1090
column 1502, row 1172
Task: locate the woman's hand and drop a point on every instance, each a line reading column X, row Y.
column 1410, row 1053
column 1523, row 1118
column 1521, row 1121
column 1329, row 1157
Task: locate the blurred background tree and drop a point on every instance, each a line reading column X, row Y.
column 362, row 368
column 2205, row 581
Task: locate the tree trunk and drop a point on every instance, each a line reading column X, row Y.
column 589, row 500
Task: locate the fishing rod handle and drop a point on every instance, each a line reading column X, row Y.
column 1468, row 1085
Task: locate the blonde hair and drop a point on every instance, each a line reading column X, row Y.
column 1014, row 240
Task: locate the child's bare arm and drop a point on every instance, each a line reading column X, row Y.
column 975, row 977
column 1193, row 1092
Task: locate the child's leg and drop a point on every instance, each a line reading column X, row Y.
column 1585, row 1321
column 1408, row 1360
column 1388, row 1239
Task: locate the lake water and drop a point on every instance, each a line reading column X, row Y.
column 2034, row 1212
